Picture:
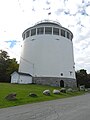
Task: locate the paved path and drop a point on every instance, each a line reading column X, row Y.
column 75, row 108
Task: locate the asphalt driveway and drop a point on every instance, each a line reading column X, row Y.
column 75, row 108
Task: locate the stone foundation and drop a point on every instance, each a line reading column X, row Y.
column 55, row 81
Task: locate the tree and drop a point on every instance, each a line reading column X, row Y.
column 3, row 55
column 3, row 64
column 88, row 81
column 81, row 77
column 11, row 67
column 7, row 66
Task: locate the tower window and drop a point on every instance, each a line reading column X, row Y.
column 71, row 36
column 33, row 32
column 40, row 30
column 55, row 31
column 63, row 33
column 61, row 74
column 27, row 34
column 23, row 36
column 68, row 35
column 48, row 30
column 70, row 72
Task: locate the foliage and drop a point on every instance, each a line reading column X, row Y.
column 23, row 92
column 83, row 78
column 7, row 66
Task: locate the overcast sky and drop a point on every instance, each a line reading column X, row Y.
column 18, row 15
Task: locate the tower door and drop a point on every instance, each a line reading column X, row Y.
column 61, row 83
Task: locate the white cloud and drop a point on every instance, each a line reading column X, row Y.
column 88, row 10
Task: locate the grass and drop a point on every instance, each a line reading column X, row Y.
column 23, row 91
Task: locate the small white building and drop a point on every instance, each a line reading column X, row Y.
column 21, row 78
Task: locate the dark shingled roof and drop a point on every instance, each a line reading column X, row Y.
column 26, row 74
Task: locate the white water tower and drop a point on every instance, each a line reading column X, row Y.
column 47, row 54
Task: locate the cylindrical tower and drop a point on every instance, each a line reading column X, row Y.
column 47, row 54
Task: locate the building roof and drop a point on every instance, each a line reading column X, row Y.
column 26, row 74
column 47, row 22
column 20, row 73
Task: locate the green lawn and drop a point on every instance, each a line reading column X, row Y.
column 23, row 91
